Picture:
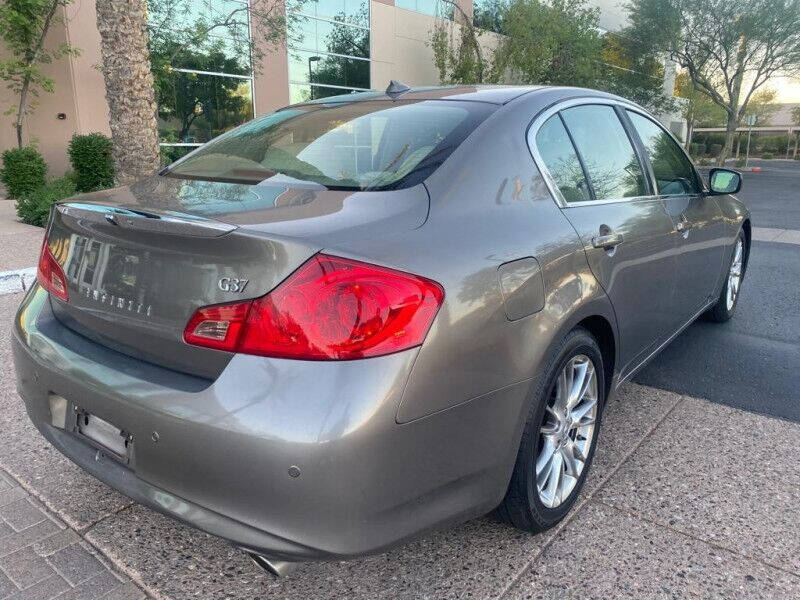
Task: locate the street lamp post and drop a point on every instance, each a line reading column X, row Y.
column 310, row 87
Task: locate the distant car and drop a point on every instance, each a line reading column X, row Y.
column 366, row 316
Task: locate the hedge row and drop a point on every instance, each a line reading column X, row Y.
column 24, row 175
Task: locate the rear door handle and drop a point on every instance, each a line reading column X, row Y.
column 607, row 241
column 683, row 224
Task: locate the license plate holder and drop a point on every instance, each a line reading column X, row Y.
column 104, row 435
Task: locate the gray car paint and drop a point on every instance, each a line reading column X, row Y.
column 391, row 446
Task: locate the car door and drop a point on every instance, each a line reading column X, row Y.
column 699, row 225
column 589, row 162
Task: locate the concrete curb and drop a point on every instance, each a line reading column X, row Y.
column 19, row 280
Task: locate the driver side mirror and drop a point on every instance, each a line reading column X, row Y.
column 724, row 181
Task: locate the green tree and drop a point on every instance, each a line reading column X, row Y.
column 457, row 49
column 763, row 105
column 633, row 72
column 24, row 25
column 796, row 123
column 698, row 109
column 549, row 43
column 730, row 48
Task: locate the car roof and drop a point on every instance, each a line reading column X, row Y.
column 492, row 94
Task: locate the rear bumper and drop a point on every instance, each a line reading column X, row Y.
column 224, row 448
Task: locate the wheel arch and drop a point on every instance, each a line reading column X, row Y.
column 748, row 236
column 598, row 318
column 603, row 333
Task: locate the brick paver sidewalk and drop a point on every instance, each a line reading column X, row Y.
column 42, row 558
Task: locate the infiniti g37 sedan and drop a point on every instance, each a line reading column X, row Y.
column 362, row 317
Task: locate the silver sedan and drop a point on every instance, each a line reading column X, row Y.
column 362, row 317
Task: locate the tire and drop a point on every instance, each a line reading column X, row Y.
column 525, row 505
column 723, row 309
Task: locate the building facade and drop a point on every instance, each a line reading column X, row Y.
column 202, row 89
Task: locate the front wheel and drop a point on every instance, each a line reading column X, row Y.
column 726, row 303
column 560, row 437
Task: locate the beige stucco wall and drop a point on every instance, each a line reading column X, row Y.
column 88, row 85
column 79, row 91
column 400, row 45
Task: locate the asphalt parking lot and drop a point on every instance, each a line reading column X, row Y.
column 693, row 492
column 752, row 361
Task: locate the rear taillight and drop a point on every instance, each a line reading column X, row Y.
column 329, row 309
column 50, row 274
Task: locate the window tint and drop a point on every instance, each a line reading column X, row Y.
column 613, row 168
column 673, row 171
column 349, row 145
column 561, row 160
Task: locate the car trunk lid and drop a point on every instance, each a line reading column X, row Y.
column 138, row 267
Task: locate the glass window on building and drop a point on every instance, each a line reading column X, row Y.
column 328, row 48
column 435, row 8
column 487, row 14
column 200, row 55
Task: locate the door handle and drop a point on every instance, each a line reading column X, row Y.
column 607, row 241
column 683, row 225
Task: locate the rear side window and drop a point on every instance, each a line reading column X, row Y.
column 611, row 163
column 673, row 171
column 366, row 145
column 558, row 155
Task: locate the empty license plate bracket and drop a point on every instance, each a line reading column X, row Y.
column 104, row 435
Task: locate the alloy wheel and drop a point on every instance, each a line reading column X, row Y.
column 735, row 274
column 567, row 432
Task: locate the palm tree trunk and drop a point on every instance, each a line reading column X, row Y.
column 129, row 87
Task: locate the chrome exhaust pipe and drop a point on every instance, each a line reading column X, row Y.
column 278, row 568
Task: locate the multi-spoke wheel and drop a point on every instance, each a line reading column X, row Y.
column 568, row 431
column 726, row 303
column 559, row 437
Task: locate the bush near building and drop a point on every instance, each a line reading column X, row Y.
column 23, row 171
column 90, row 156
column 34, row 207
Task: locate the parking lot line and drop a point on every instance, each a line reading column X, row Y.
column 769, row 234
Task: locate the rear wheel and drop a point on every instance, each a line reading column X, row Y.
column 560, row 437
column 729, row 296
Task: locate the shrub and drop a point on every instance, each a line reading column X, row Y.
column 696, row 149
column 739, row 162
column 714, row 150
column 23, row 171
column 34, row 207
column 90, row 156
column 767, row 155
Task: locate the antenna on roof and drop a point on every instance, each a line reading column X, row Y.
column 396, row 88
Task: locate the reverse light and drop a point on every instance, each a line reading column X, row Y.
column 329, row 309
column 50, row 274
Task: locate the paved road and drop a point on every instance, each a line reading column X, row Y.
column 772, row 195
column 753, row 361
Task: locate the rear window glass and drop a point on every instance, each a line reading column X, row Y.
column 368, row 145
column 613, row 168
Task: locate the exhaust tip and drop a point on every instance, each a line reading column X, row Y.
column 278, row 568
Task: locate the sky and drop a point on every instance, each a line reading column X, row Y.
column 788, row 89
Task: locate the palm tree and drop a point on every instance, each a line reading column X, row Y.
column 129, row 87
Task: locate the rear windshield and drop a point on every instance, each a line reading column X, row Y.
column 355, row 146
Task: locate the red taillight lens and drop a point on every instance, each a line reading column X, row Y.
column 50, row 274
column 217, row 326
column 329, row 309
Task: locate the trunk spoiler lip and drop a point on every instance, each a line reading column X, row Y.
column 168, row 222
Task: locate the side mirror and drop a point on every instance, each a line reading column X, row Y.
column 724, row 181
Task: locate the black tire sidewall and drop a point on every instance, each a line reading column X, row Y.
column 721, row 307
column 579, row 341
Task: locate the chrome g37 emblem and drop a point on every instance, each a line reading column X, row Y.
column 234, row 285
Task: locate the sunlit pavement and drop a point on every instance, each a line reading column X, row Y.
column 686, row 498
